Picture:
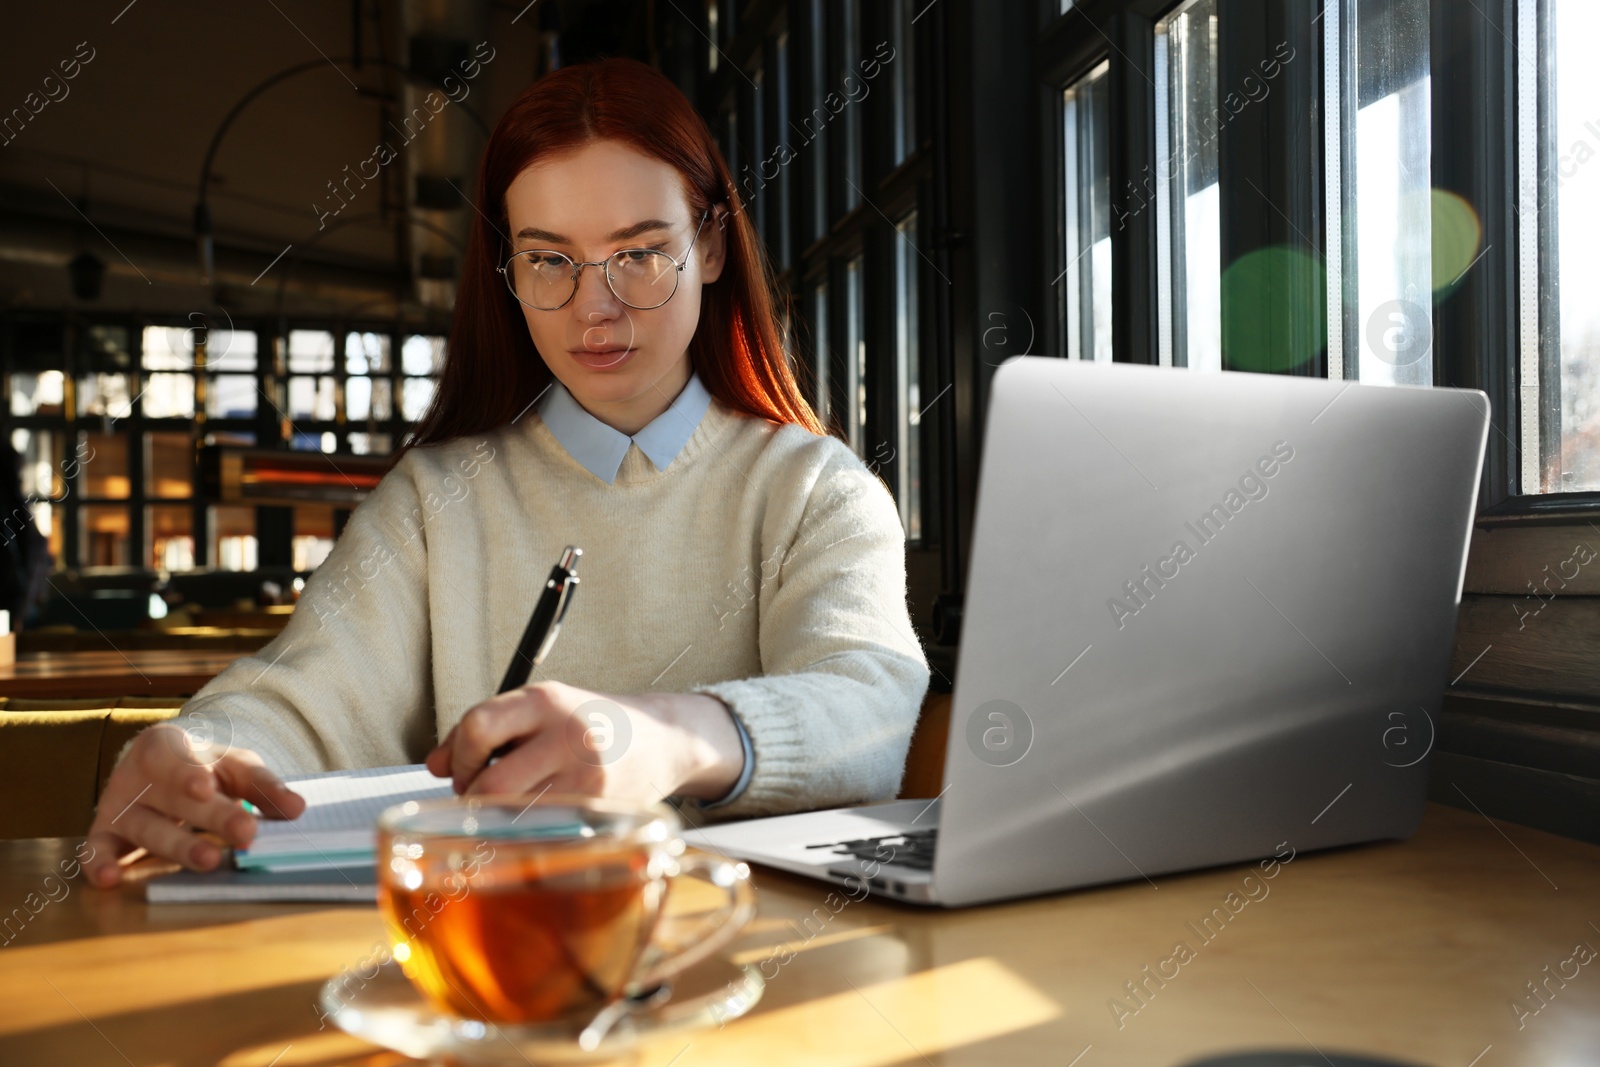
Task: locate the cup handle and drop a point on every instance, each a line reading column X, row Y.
column 714, row 931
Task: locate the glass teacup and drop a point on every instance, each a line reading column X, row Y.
column 515, row 911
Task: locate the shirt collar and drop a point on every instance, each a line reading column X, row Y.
column 600, row 448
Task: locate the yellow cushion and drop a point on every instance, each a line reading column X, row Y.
column 76, row 704
column 55, row 757
column 924, row 775
column 122, row 724
column 48, row 766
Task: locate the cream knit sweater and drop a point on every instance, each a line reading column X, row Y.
column 765, row 566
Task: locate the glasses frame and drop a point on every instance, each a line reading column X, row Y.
column 605, row 265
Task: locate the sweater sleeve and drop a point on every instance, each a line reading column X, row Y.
column 844, row 674
column 347, row 683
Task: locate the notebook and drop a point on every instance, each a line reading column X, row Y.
column 339, row 824
column 355, row 885
column 324, row 855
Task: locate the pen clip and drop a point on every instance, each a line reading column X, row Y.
column 567, row 583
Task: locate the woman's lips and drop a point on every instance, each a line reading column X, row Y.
column 602, row 358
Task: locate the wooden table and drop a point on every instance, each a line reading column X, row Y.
column 1414, row 951
column 136, row 672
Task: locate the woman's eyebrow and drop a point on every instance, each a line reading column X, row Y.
column 534, row 233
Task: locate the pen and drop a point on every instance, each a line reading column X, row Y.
column 542, row 629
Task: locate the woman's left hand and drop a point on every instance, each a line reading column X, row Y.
column 642, row 747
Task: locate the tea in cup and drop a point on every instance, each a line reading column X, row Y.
column 511, row 911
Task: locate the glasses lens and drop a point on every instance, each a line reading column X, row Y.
column 540, row 279
column 642, row 278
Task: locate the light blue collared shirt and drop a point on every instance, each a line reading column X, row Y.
column 600, row 449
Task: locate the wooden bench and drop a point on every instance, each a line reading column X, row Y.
column 55, row 756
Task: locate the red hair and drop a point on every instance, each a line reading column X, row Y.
column 493, row 371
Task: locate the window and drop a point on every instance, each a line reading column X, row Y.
column 312, row 388
column 233, row 538
column 851, row 90
column 1388, row 109
column 169, row 465
column 902, row 75
column 168, row 396
column 367, row 353
column 369, row 391
column 855, row 358
column 101, row 421
column 814, row 125
column 1086, row 292
column 43, row 393
column 780, row 144
column 846, row 200
column 106, row 347
column 712, row 33
column 170, row 535
column 376, row 444
column 422, row 355
column 231, row 395
column 358, row 399
column 40, row 472
column 1378, row 214
column 416, row 394
column 42, row 477
column 312, row 398
column 755, row 185
column 419, row 356
column 168, row 393
column 310, row 352
column 730, row 150
column 230, row 350
column 313, row 536
column 1559, row 201
column 1189, row 224
column 103, row 538
column 104, row 466
column 105, row 395
column 819, row 336
column 826, row 157
column 908, row 380
column 168, row 348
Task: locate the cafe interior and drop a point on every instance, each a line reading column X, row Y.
column 231, row 243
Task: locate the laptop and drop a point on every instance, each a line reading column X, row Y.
column 1208, row 619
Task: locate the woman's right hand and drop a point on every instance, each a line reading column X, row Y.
column 165, row 788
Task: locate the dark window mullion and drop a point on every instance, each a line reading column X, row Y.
column 1474, row 156
column 838, row 301
column 778, row 93
column 274, row 525
column 138, row 461
column 1134, row 322
column 810, row 125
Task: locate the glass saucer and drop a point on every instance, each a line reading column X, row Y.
column 387, row 1010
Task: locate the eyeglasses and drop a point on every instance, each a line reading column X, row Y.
column 642, row 278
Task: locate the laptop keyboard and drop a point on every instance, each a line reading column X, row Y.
column 913, row 849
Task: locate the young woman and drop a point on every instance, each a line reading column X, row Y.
column 739, row 639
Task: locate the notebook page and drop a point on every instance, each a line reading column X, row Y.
column 342, row 808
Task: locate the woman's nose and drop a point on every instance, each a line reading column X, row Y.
column 594, row 299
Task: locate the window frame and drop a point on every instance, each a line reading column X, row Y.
column 1476, row 339
column 268, row 425
column 805, row 249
